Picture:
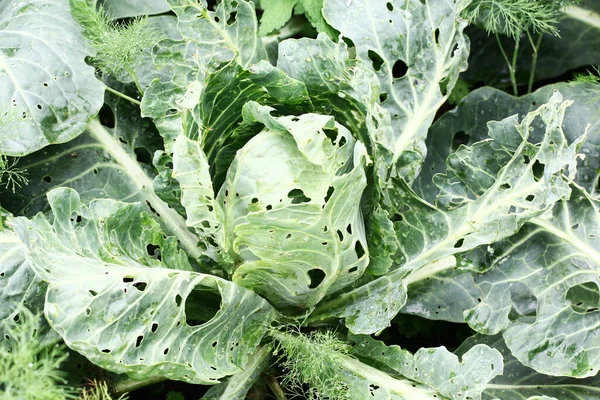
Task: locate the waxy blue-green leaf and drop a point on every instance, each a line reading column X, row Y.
column 236, row 387
column 542, row 291
column 135, row 8
column 47, row 91
column 210, row 39
column 291, row 204
column 417, row 50
column 488, row 192
column 19, row 285
column 204, row 215
column 437, row 368
column 447, row 294
column 122, row 294
column 518, row 382
column 467, row 124
column 85, row 164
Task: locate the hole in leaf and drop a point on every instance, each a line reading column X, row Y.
column 138, row 342
column 47, row 179
column 584, row 298
column 201, row 305
column 390, row 6
column 505, row 186
column 383, row 97
column 459, row 243
column 39, row 106
column 154, row 327
column 106, row 351
column 530, row 198
column 460, row 137
column 436, row 36
column 399, row 69
column 141, row 286
column 376, row 60
column 127, row 279
column 342, row 142
column 166, row 351
column 331, row 133
column 329, row 193
column 358, row 248
column 143, row 155
column 232, row 18
column 297, row 196
column 349, row 229
column 340, row 235
column 215, row 343
column 153, row 250
column 107, row 116
column 538, row 170
column 316, row 276
column 93, row 292
column 178, row 300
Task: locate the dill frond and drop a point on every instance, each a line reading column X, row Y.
column 117, row 45
column 98, row 390
column 28, row 368
column 312, row 360
column 513, row 17
column 588, row 77
column 12, row 176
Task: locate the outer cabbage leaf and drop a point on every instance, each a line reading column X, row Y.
column 47, row 91
column 84, row 163
column 191, row 169
column 519, row 382
column 488, row 192
column 468, row 124
column 19, row 285
column 236, row 387
column 209, row 40
column 291, row 201
column 542, row 291
column 417, row 50
column 435, row 367
column 132, row 305
column 134, row 8
column 451, row 291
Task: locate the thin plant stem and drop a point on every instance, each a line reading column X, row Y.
column 123, row 95
column 276, row 388
column 511, row 68
column 536, row 48
column 126, row 384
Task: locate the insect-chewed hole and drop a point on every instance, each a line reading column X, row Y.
column 143, row 155
column 399, row 69
column 201, row 305
column 330, row 191
column 138, row 341
column 359, row 249
column 141, row 286
column 316, row 276
column 538, row 170
column 584, row 298
column 390, row 6
column 376, row 60
column 154, row 327
column 297, row 196
column 107, row 116
column 460, row 137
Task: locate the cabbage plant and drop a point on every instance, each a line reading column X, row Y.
column 252, row 196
